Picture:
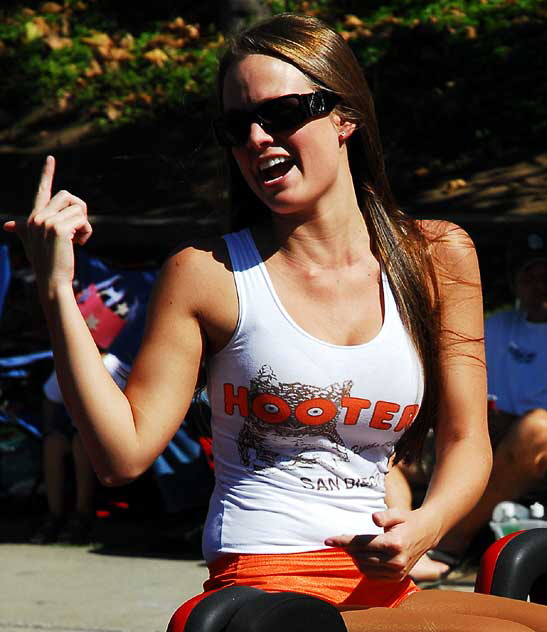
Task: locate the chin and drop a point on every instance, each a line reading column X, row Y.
column 280, row 205
column 285, row 203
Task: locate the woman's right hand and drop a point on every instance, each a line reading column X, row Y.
column 391, row 555
column 50, row 231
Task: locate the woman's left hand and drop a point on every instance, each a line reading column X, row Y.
column 392, row 554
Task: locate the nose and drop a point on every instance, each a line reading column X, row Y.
column 258, row 136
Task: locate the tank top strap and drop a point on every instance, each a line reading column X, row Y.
column 247, row 269
column 243, row 252
column 258, row 298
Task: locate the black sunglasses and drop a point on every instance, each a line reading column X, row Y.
column 276, row 115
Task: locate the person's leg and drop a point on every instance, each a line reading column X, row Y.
column 78, row 528
column 56, row 448
column 85, row 478
column 392, row 619
column 520, row 461
column 453, row 602
column 450, row 611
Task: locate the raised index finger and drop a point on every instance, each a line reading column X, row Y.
column 43, row 194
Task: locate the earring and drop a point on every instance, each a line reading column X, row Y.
column 342, row 134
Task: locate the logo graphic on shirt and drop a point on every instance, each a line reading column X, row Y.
column 286, row 423
column 283, row 421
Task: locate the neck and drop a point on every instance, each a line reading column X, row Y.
column 332, row 234
column 330, row 239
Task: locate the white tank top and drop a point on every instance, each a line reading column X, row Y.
column 302, row 429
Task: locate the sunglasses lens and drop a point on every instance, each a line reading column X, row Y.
column 277, row 115
column 281, row 114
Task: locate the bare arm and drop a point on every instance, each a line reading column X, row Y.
column 462, row 445
column 122, row 431
column 463, row 452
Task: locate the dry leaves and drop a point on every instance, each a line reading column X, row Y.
column 145, row 98
column 98, row 40
column 354, row 28
column 115, row 54
column 352, row 21
column 51, row 7
column 56, row 42
column 94, row 69
column 181, row 28
column 470, row 32
column 56, row 33
column 421, row 172
column 113, row 111
column 35, row 28
column 63, row 102
column 107, row 51
column 170, row 41
column 127, row 41
column 454, row 185
column 156, row 56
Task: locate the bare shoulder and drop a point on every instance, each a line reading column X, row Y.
column 194, row 271
column 196, row 284
column 451, row 247
column 204, row 256
column 445, row 235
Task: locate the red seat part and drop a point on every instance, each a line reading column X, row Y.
column 483, row 583
column 181, row 614
column 516, row 566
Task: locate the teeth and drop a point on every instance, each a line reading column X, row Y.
column 272, row 162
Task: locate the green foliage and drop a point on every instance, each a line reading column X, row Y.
column 80, row 60
column 448, row 76
column 299, row 6
column 452, row 77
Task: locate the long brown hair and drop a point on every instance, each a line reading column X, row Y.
column 326, row 59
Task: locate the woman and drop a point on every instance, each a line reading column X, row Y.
column 324, row 328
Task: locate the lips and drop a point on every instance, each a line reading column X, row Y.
column 272, row 169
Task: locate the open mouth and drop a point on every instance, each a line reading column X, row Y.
column 275, row 168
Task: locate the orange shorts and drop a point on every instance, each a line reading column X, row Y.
column 330, row 574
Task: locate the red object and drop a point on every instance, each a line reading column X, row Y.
column 206, row 444
column 178, row 620
column 119, row 504
column 485, row 576
column 514, row 566
column 103, row 323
